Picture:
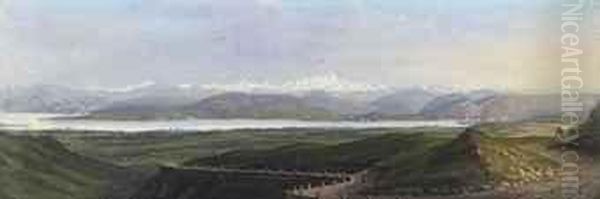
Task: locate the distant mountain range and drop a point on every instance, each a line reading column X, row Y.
column 488, row 105
column 176, row 102
column 50, row 99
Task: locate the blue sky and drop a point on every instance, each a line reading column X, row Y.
column 120, row 42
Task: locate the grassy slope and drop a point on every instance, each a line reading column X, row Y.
column 166, row 148
column 412, row 163
column 347, row 157
column 520, row 129
column 454, row 167
column 40, row 168
column 190, row 184
column 589, row 132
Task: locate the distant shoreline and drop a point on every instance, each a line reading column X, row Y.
column 190, row 125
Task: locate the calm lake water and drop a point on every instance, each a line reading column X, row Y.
column 27, row 121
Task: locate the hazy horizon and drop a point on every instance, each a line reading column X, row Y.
column 498, row 44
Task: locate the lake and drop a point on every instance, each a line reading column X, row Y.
column 38, row 122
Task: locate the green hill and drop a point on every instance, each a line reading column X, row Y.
column 345, row 157
column 40, row 168
column 413, row 164
column 473, row 162
column 193, row 184
column 589, row 133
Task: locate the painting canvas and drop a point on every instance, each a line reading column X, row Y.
column 299, row 99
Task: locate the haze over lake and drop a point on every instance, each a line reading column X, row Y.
column 32, row 121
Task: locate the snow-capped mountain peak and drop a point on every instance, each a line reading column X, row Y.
column 127, row 88
column 329, row 82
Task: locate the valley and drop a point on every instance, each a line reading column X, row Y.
column 299, row 99
column 516, row 159
column 478, row 162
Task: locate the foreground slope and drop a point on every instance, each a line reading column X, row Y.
column 589, row 133
column 40, row 168
column 413, row 164
column 220, row 184
column 473, row 162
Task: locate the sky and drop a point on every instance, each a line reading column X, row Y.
column 508, row 44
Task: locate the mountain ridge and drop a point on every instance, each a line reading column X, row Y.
column 176, row 102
